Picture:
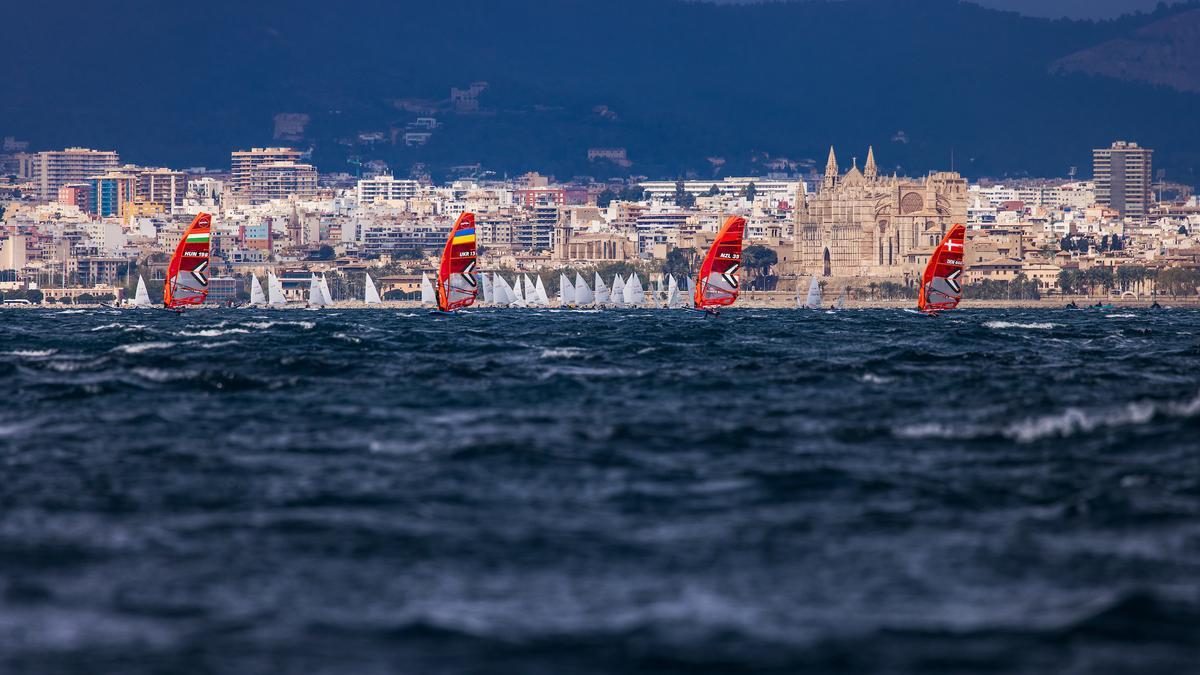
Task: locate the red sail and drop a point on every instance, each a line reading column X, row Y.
column 941, row 286
column 457, row 285
column 187, row 275
column 717, row 283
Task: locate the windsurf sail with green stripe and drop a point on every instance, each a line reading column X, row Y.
column 187, row 275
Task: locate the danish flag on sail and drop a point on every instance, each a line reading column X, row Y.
column 717, row 283
column 941, row 287
column 456, row 283
column 187, row 275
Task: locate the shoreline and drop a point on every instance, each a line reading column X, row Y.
column 747, row 303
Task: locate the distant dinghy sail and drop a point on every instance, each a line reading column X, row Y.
column 187, row 275
column 717, row 283
column 325, row 290
column 841, row 301
column 601, row 292
column 540, row 288
column 457, row 286
column 486, row 285
column 428, row 295
column 316, row 297
column 941, row 285
column 370, row 293
column 617, row 296
column 583, row 294
column 635, row 296
column 813, row 301
column 141, row 298
column 257, row 297
column 566, row 291
column 673, row 300
column 275, row 296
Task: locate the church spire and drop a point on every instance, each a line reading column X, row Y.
column 871, row 170
column 831, row 169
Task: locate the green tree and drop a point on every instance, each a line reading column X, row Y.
column 679, row 262
column 85, row 299
column 713, row 191
column 633, row 193
column 683, row 198
column 759, row 259
column 751, row 191
column 325, row 252
column 605, row 198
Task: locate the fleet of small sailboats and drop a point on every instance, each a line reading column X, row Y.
column 459, row 285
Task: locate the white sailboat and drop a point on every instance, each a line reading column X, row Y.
column 370, row 293
column 543, row 300
column 601, row 293
column 141, row 298
column 529, row 291
column 325, row 290
column 634, row 295
column 428, row 296
column 617, row 297
column 673, row 299
column 316, row 298
column 691, row 292
column 583, row 294
column 257, row 297
column 518, row 293
column 485, row 283
column 566, row 291
column 275, row 291
column 813, row 301
column 841, row 301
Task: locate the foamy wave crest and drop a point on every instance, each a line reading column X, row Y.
column 159, row 375
column 214, row 332
column 1121, row 316
column 1001, row 325
column 562, row 353
column 32, row 353
column 265, row 325
column 143, row 347
column 1069, row 422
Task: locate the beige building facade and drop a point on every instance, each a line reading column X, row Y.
column 862, row 224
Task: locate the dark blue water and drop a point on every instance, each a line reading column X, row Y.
column 625, row 492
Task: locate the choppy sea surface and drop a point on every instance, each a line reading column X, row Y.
column 544, row 492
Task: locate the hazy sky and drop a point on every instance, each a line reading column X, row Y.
column 1079, row 9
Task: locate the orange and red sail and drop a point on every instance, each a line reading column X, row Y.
column 717, row 283
column 187, row 275
column 457, row 286
column 941, row 286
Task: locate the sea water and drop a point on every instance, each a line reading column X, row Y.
column 525, row 491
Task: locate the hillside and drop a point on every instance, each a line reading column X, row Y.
column 675, row 83
column 1166, row 52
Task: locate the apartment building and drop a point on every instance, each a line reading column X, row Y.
column 53, row 169
column 1123, row 174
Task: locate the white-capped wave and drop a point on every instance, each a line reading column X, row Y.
column 218, row 332
column 562, row 353
column 265, row 325
column 1064, row 424
column 160, row 375
column 1121, row 316
column 31, row 353
column 143, row 347
column 1001, row 325
column 872, row 378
